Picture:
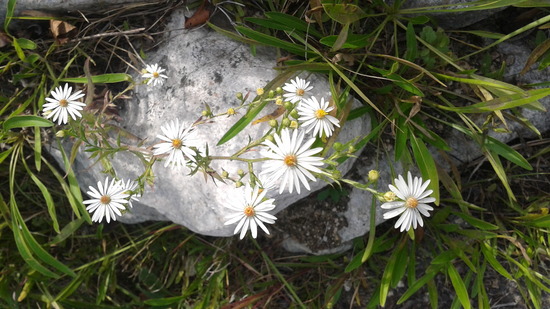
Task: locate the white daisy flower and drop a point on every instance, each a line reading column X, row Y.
column 130, row 188
column 107, row 201
column 64, row 103
column 292, row 161
column 315, row 116
column 177, row 140
column 413, row 199
column 154, row 74
column 296, row 90
column 251, row 211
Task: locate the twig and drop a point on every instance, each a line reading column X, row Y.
column 100, row 35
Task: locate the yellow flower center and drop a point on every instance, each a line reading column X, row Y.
column 300, row 92
column 320, row 114
column 290, row 160
column 249, row 211
column 63, row 103
column 156, row 74
column 176, row 143
column 105, row 199
column 411, row 202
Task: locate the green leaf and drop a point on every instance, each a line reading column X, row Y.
column 499, row 170
column 67, row 231
column 272, row 41
column 47, row 197
column 401, row 137
column 344, row 13
column 27, row 245
column 489, row 254
column 294, row 22
column 475, row 222
column 399, row 81
column 426, row 164
column 412, row 45
column 9, row 14
column 503, row 102
column 108, row 78
column 431, row 272
column 164, row 301
column 479, row 5
column 507, row 152
column 353, row 41
column 252, row 113
column 532, row 4
column 483, row 34
column 26, row 44
column 4, row 154
column 26, row 121
column 232, row 35
column 459, row 286
column 387, row 277
column 341, row 39
column 542, row 222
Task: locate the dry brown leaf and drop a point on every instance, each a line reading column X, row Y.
column 62, row 31
column 274, row 115
column 4, row 39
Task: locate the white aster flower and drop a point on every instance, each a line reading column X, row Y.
column 251, row 211
column 107, row 201
column 296, row 90
column 130, row 188
column 292, row 161
column 64, row 103
column 177, row 140
column 315, row 116
column 413, row 199
column 154, row 74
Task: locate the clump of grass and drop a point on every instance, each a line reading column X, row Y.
column 399, row 64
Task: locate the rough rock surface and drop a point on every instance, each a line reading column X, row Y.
column 203, row 67
column 449, row 20
column 65, row 5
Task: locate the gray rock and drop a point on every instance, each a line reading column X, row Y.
column 450, row 20
column 65, row 5
column 203, row 67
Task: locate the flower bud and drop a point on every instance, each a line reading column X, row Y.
column 239, row 96
column 225, row 174
column 279, row 101
column 260, row 91
column 238, row 184
column 337, row 146
column 390, row 196
column 230, row 111
column 279, row 90
column 240, row 172
column 60, row 134
column 285, row 123
column 294, row 114
column 373, row 175
column 351, row 149
column 269, row 138
column 288, row 106
column 294, row 124
column 273, row 123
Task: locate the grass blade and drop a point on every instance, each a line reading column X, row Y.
column 459, row 286
column 251, row 115
column 426, row 164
